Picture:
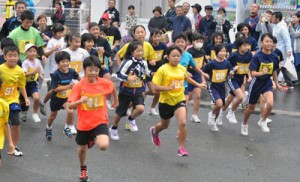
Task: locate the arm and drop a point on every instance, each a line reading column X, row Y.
column 226, row 27
column 65, row 87
column 49, row 52
column 74, row 105
column 118, row 59
column 193, row 82
column 287, row 40
column 107, row 49
column 293, row 33
column 275, row 79
column 150, row 25
column 115, row 102
column 24, row 94
column 160, row 88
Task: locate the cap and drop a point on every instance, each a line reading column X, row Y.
column 30, row 45
column 105, row 16
column 198, row 7
column 208, row 7
column 157, row 8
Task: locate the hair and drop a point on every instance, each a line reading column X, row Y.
column 91, row 61
column 10, row 48
column 27, row 15
column 131, row 7
column 61, row 56
column 217, row 34
column 297, row 15
column 222, row 9
column 92, row 24
column 218, row 48
column 41, row 17
column 197, row 36
column 188, row 33
column 57, row 27
column 6, row 41
column 132, row 46
column 277, row 15
column 171, row 48
column 103, row 29
column 20, row 2
column 87, row 37
column 71, row 36
column 134, row 29
column 266, row 35
column 179, row 7
column 180, row 36
column 242, row 25
column 241, row 41
column 174, row 1
column 239, row 35
column 274, row 40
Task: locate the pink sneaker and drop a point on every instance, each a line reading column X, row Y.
column 182, row 152
column 155, row 137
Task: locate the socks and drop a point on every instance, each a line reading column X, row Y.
column 130, row 118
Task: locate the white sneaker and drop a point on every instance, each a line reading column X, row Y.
column 73, row 129
column 131, row 125
column 244, row 130
column 211, row 122
column 114, row 75
column 220, row 118
column 268, row 120
column 194, row 118
column 114, row 134
column 264, row 127
column 231, row 117
column 153, row 112
column 36, row 118
column 108, row 104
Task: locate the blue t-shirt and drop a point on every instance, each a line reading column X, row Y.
column 61, row 79
column 243, row 61
column 187, row 60
column 231, row 48
column 261, row 60
column 93, row 52
column 218, row 71
column 279, row 55
column 253, row 43
column 199, row 58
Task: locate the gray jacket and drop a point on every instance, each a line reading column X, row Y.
column 296, row 36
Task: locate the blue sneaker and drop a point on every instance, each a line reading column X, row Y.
column 67, row 132
column 48, row 134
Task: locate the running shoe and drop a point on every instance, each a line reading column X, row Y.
column 154, row 137
column 153, row 112
column 43, row 108
column 220, row 118
column 36, row 118
column 48, row 134
column 83, row 174
column 73, row 129
column 231, row 117
column 131, row 125
column 268, row 120
column 211, row 122
column 114, row 134
column 195, row 118
column 244, row 130
column 182, row 152
column 67, row 132
column 264, row 127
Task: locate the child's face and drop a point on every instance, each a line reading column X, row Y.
column 95, row 31
column 181, row 43
column 222, row 54
column 91, row 72
column 218, row 40
column 139, row 34
column 89, row 44
column 31, row 53
column 198, row 43
column 174, row 57
column 245, row 31
column 11, row 58
column 102, row 34
column 244, row 48
column 138, row 52
column 267, row 44
column 156, row 38
column 26, row 24
column 59, row 35
column 75, row 43
column 63, row 65
column 131, row 11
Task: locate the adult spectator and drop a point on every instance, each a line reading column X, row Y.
column 264, row 25
column 186, row 7
column 158, row 21
column 281, row 32
column 113, row 12
column 43, row 27
column 220, row 24
column 171, row 13
column 294, row 28
column 13, row 22
column 253, row 21
column 58, row 14
column 205, row 23
column 180, row 23
column 197, row 16
column 72, row 17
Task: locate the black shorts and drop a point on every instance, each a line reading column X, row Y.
column 166, row 111
column 124, row 101
column 83, row 137
column 14, row 111
column 57, row 103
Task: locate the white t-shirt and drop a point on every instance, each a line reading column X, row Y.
column 77, row 58
column 29, row 66
column 51, row 44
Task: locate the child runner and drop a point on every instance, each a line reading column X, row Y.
column 262, row 66
column 14, row 81
column 168, row 81
column 132, row 72
column 231, row 48
column 198, row 54
column 217, row 38
column 159, row 48
column 240, row 61
column 218, row 71
column 88, row 96
column 245, row 29
column 63, row 80
column 33, row 70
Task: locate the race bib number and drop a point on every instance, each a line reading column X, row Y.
column 63, row 94
column 199, row 62
column 219, row 76
column 9, row 90
column 22, row 44
column 33, row 77
column 159, row 55
column 95, row 101
column 243, row 68
column 269, row 66
column 134, row 84
column 76, row 65
column 212, row 54
column 178, row 85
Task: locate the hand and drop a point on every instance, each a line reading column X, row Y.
column 206, row 76
column 110, row 63
column 44, row 58
column 41, row 77
column 27, row 102
column 265, row 71
column 71, row 84
column 170, row 87
column 100, row 50
column 45, row 37
column 236, row 68
column 189, row 74
column 231, row 74
column 58, row 46
column 207, row 57
column 115, row 103
column 83, row 99
column 152, row 63
column 202, row 86
column 103, row 67
column 249, row 79
column 37, row 70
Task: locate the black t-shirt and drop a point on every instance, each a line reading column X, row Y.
column 101, row 42
column 113, row 34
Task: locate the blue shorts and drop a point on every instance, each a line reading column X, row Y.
column 234, row 84
column 31, row 87
column 258, row 87
column 217, row 92
column 198, row 79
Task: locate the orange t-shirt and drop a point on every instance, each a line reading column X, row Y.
column 94, row 111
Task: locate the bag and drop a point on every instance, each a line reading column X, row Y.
column 289, row 65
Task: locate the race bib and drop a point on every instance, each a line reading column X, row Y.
column 159, row 55
column 219, row 76
column 76, row 65
column 199, row 62
column 9, row 91
column 32, row 77
column 177, row 83
column 110, row 39
column 243, row 68
column 212, row 54
column 134, row 84
column 233, row 50
column 269, row 66
column 95, row 101
column 63, row 94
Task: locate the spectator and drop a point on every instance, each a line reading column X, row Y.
column 264, row 25
column 113, row 12
column 72, row 18
column 180, row 23
column 220, row 24
column 294, row 29
column 171, row 13
column 197, row 16
column 43, row 28
column 205, row 23
column 245, row 29
column 158, row 21
column 130, row 19
column 253, row 20
column 58, row 14
column 186, row 9
column 9, row 8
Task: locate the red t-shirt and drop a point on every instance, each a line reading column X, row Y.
column 94, row 111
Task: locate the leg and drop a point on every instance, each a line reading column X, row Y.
column 81, row 151
column 51, row 118
column 70, row 116
column 47, row 96
column 228, row 101
column 15, row 134
column 138, row 110
column 102, row 141
column 36, row 101
column 218, row 105
column 268, row 98
column 248, row 112
column 197, row 96
column 238, row 99
column 180, row 115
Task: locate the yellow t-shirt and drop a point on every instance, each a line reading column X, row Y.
column 149, row 53
column 13, row 78
column 4, row 113
column 168, row 75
